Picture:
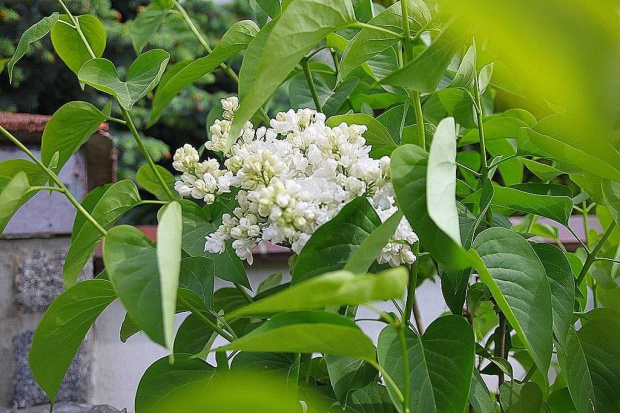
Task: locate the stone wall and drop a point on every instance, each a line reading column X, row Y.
column 30, row 278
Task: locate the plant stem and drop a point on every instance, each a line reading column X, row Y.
column 419, row 116
column 311, row 85
column 408, row 51
column 388, row 380
column 245, row 294
column 145, row 153
column 500, row 344
column 413, row 281
column 204, row 319
column 586, row 223
column 592, row 254
column 484, row 175
column 407, row 374
column 417, row 316
column 54, row 178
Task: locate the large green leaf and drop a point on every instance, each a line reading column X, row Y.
column 147, row 180
column 600, row 159
column 169, row 235
column 348, row 374
column 196, row 227
column 441, row 364
column 69, row 128
column 142, row 76
column 479, row 395
column 376, row 135
column 363, row 258
column 592, row 366
column 505, row 125
column 508, row 265
column 31, row 35
column 562, row 283
column 409, row 168
column 547, row 200
column 521, row 397
column 332, row 289
column 268, row 61
column 13, row 194
column 466, row 73
column 131, row 261
column 63, row 329
column 69, row 45
column 441, row 180
column 369, row 42
column 611, row 196
column 424, row 73
column 106, row 205
column 10, row 168
column 198, row 275
column 145, row 26
column 331, row 246
column 330, row 99
column 234, row 41
column 307, row 332
column 373, row 398
column 163, row 380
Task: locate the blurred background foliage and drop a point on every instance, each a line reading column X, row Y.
column 34, row 89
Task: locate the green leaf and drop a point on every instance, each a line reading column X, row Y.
column 194, row 336
column 145, row 26
column 330, row 99
column 508, row 265
column 479, row 395
column 196, row 227
column 592, row 366
column 373, row 398
column 267, row 63
column 466, row 73
column 169, row 234
column 611, row 196
column 63, row 329
column 12, row 197
column 441, row 364
column 376, row 135
column 424, row 73
column 278, row 364
column 273, row 281
column 142, row 76
column 31, row 35
column 521, row 398
column 562, row 283
column 547, row 200
column 69, row 45
column 164, row 380
column 369, row 42
column 331, row 246
column 128, row 329
column 163, row 4
column 131, row 260
column 543, row 171
column 234, row 41
column 307, row 332
column 408, row 168
column 11, row 167
column 441, row 180
column 363, row 258
column 68, row 129
column 147, row 180
column 106, row 205
column 601, row 159
column 198, row 275
column 271, row 7
column 348, row 374
column 505, row 125
column 331, row 289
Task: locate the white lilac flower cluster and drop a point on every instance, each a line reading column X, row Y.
column 292, row 178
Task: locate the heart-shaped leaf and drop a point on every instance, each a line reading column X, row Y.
column 32, row 34
column 147, row 180
column 63, row 329
column 331, row 246
column 69, row 45
column 145, row 26
column 441, row 364
column 348, row 374
column 142, row 76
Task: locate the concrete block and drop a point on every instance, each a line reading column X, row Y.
column 76, row 386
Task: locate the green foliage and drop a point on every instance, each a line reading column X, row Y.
column 475, row 135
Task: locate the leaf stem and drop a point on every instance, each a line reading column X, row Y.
column 311, row 85
column 376, row 28
column 413, row 281
column 144, row 152
column 55, row 179
column 388, row 379
column 500, row 344
column 419, row 116
column 243, row 292
column 592, row 254
column 406, row 373
column 484, row 175
column 205, row 320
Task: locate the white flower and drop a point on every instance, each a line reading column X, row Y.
column 293, row 177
